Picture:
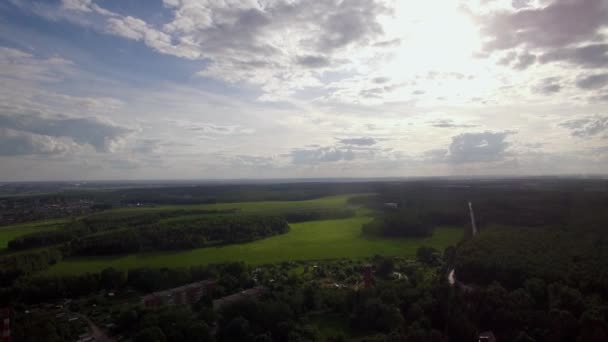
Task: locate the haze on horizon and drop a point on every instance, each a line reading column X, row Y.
column 186, row 89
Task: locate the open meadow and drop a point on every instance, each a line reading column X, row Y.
column 328, row 239
column 311, row 240
column 9, row 233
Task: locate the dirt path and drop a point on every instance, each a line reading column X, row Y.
column 99, row 334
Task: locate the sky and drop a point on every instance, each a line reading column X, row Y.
column 228, row 89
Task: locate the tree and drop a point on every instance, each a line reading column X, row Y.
column 427, row 255
column 150, row 334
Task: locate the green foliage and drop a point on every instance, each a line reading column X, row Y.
column 212, row 230
column 401, row 223
column 305, row 241
column 428, row 255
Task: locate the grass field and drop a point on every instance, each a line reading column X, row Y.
column 9, row 233
column 306, row 241
column 339, row 201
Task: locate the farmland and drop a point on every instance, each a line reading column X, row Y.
column 327, row 239
column 9, row 233
column 310, row 240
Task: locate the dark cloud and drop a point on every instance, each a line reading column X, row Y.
column 478, row 147
column 449, row 123
column 358, row 141
column 587, row 127
column 547, row 86
column 380, row 80
column 561, row 23
column 588, row 56
column 592, row 81
column 351, row 21
column 311, row 61
column 518, row 61
column 520, row 3
column 18, row 143
column 89, row 131
column 321, row 155
column 388, row 43
column 524, row 61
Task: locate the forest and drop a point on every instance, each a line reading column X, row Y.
column 536, row 271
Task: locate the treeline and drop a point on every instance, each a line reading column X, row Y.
column 576, row 257
column 519, row 203
column 15, row 265
column 36, row 289
column 398, row 223
column 295, row 216
column 99, row 223
column 203, row 232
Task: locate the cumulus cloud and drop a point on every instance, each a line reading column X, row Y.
column 19, row 143
column 587, row 127
column 592, row 81
column 358, row 141
column 559, row 24
column 548, row 86
column 321, row 155
column 473, row 148
column 449, row 123
column 211, row 129
column 518, row 61
column 313, row 61
column 587, row 56
column 524, row 61
column 245, row 41
column 100, row 135
column 19, row 65
column 252, row 161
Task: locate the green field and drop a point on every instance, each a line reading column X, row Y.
column 9, row 233
column 306, row 241
column 339, row 201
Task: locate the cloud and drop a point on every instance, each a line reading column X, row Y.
column 587, row 56
column 592, row 81
column 548, row 86
column 245, row 41
column 449, row 123
column 18, row 143
column 524, row 61
column 211, row 129
column 517, row 61
column 380, row 80
column 252, row 161
column 358, row 141
column 559, row 24
column 19, row 65
column 520, row 3
column 473, row 148
column 351, row 21
column 587, row 127
column 321, row 155
column 84, row 6
column 313, row 61
column 102, row 136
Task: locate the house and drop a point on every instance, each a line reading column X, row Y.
column 187, row 294
column 487, row 336
column 254, row 292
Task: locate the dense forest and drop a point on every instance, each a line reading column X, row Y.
column 213, row 230
column 536, row 271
